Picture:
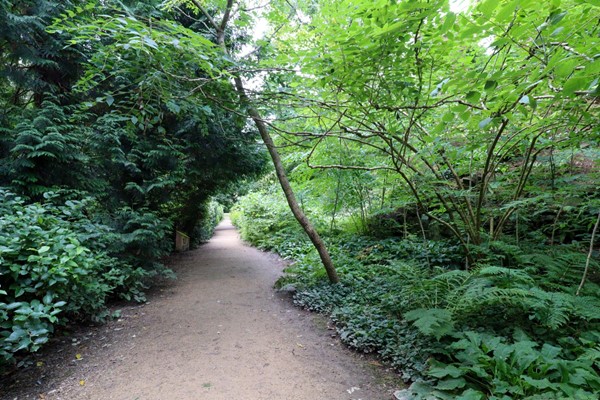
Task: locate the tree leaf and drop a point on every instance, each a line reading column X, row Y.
column 485, row 122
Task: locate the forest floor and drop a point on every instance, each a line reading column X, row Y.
column 219, row 331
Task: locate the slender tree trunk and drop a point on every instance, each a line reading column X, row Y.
column 314, row 236
column 589, row 256
column 335, row 203
column 253, row 113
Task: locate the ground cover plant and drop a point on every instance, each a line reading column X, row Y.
column 512, row 327
column 456, row 180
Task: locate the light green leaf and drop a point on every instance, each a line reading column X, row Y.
column 451, row 384
column 485, row 122
column 574, row 84
column 487, row 7
column 471, row 394
column 43, row 249
column 436, row 322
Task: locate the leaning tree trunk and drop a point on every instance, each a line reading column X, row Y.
column 308, row 227
column 253, row 113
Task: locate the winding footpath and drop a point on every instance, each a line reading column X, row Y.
column 218, row 332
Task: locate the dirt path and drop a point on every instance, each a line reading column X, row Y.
column 218, row 332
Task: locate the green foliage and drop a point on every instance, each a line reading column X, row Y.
column 35, row 64
column 468, row 122
column 112, row 136
column 411, row 301
column 262, row 215
column 467, row 152
column 358, row 309
column 48, row 272
column 46, row 152
column 436, row 322
column 212, row 214
column 487, row 366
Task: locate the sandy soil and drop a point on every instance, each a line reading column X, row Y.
column 218, row 332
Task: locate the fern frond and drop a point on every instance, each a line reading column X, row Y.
column 551, row 309
column 508, row 275
column 587, row 308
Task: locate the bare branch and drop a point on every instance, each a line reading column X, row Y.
column 206, row 14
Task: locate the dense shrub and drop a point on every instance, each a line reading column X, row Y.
column 212, row 214
column 56, row 264
column 264, row 220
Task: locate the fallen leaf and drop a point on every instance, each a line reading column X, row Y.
column 300, row 345
column 39, row 363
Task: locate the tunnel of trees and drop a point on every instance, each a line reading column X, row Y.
column 445, row 151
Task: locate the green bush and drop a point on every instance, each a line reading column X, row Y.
column 49, row 273
column 212, row 214
column 265, row 221
column 482, row 365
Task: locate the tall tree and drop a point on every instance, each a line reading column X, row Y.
column 220, row 29
column 461, row 106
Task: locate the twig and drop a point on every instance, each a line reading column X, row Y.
column 589, row 256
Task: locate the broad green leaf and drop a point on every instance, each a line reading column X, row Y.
column 451, row 384
column 490, row 85
column 574, row 84
column 485, row 122
column 487, row 7
column 449, row 22
column 48, row 298
column 471, row 394
column 441, row 370
column 565, row 67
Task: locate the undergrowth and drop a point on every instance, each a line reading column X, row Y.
column 63, row 260
column 510, row 327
